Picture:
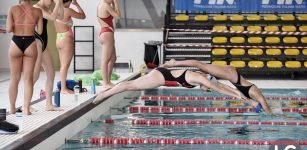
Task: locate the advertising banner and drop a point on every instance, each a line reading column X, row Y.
column 245, row 6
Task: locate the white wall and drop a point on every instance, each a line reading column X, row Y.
column 5, row 38
column 129, row 43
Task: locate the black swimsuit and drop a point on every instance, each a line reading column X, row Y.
column 243, row 89
column 23, row 42
column 169, row 77
column 44, row 36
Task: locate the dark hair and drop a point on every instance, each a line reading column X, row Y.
column 65, row 1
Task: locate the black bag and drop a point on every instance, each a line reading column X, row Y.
column 151, row 56
column 2, row 114
column 8, row 127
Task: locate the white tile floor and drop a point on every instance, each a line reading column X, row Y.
column 41, row 117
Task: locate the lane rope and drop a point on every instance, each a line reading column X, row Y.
column 227, row 122
column 162, row 109
column 201, row 98
column 110, row 140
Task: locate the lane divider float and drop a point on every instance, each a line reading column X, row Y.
column 163, row 109
column 201, row 98
column 227, row 122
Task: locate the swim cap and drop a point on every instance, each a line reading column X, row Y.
column 212, row 79
column 258, row 108
column 65, row 1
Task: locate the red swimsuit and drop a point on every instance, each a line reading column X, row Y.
column 109, row 21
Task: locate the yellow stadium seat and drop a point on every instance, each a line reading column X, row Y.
column 201, row 18
column 293, row 64
column 304, row 51
column 303, row 28
column 305, row 64
column 273, row 40
column 288, row 28
column 219, row 40
column 271, row 28
column 270, row 18
column 253, row 18
column 220, row 63
column 293, row 51
column 255, row 51
column 255, row 64
column 220, row 28
column 236, row 28
column 274, row 64
column 182, row 18
column 273, row 51
column 253, row 28
column 237, row 18
column 302, row 17
column 290, row 40
column 237, row 51
column 255, row 40
column 219, row 51
column 304, row 39
column 237, row 64
column 237, row 39
column 220, row 18
column 288, row 17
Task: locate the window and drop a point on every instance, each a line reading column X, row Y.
column 3, row 21
column 142, row 14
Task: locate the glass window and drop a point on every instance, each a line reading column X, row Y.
column 142, row 14
column 2, row 21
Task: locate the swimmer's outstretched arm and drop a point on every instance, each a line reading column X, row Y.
column 197, row 78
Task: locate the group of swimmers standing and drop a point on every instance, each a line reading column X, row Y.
column 29, row 51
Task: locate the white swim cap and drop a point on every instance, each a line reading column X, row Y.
column 212, row 79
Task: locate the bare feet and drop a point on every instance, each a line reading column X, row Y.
column 106, row 87
column 12, row 110
column 32, row 109
column 100, row 97
column 66, row 91
column 169, row 63
column 52, row 108
column 27, row 111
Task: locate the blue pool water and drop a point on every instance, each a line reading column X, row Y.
column 123, row 127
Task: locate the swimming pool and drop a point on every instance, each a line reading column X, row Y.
column 214, row 128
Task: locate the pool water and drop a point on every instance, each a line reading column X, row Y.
column 123, row 127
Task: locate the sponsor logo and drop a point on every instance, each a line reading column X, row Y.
column 283, row 2
column 216, row 2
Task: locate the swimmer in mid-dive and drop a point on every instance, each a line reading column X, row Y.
column 162, row 76
column 231, row 74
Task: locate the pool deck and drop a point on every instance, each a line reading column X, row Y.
column 41, row 121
